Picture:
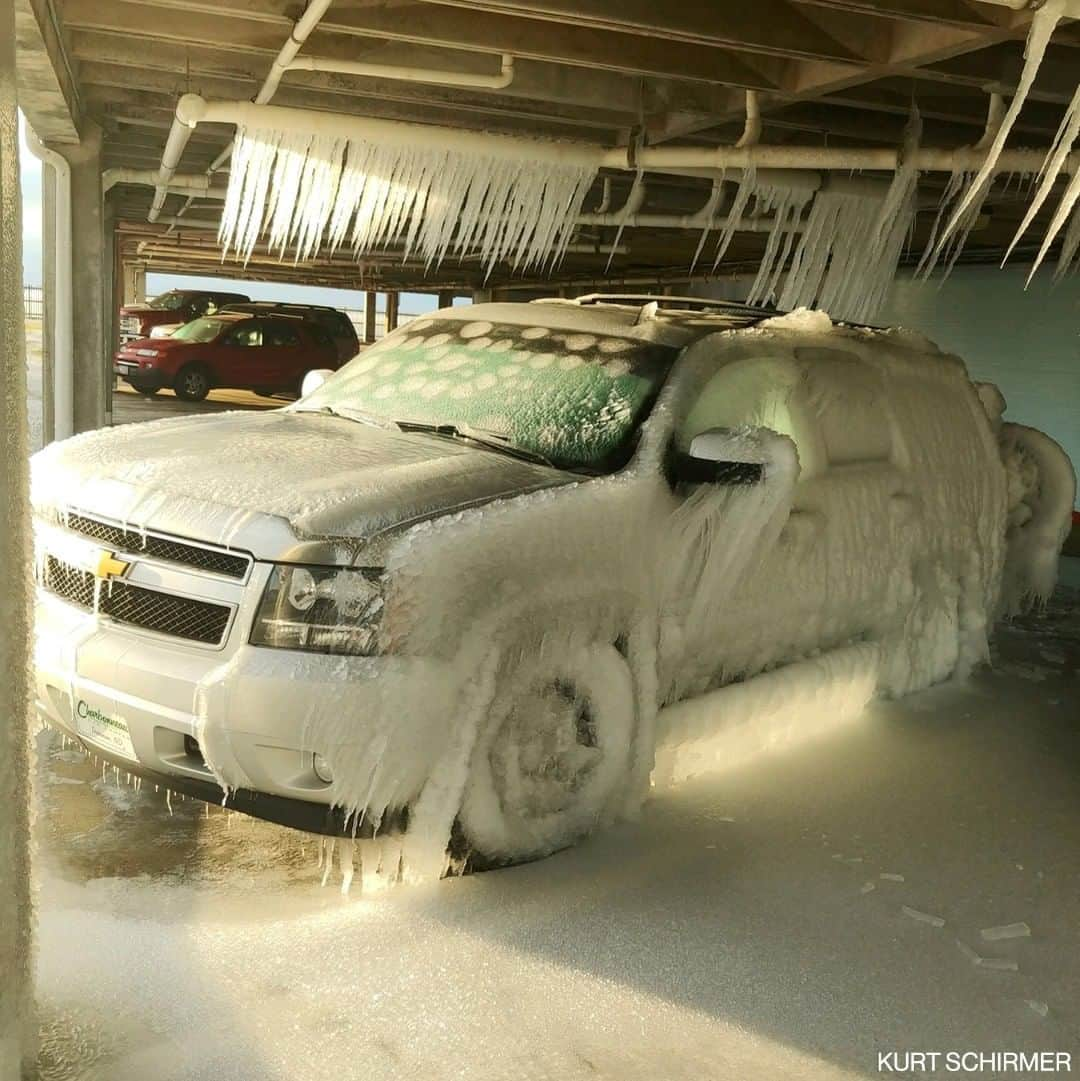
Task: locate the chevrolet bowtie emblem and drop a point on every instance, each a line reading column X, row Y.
column 108, row 566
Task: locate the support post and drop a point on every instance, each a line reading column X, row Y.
column 370, row 299
column 91, row 280
column 482, row 296
column 446, row 298
column 16, row 1016
column 391, row 314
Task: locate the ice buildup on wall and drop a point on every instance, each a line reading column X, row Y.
column 309, row 192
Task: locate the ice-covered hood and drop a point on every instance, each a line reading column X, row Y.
column 265, row 481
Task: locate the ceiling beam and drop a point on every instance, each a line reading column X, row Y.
column 45, row 83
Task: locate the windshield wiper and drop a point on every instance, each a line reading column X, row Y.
column 484, row 437
column 346, row 413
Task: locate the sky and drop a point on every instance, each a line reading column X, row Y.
column 30, row 168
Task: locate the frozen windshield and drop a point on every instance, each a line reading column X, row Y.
column 167, row 302
column 200, row 330
column 574, row 398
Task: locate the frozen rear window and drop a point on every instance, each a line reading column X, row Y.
column 572, row 396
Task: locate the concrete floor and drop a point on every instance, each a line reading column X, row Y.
column 749, row 925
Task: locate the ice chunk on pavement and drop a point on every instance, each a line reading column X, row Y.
column 892, row 878
column 1001, row 964
column 867, row 887
column 1040, row 1008
column 922, row 917
column 968, row 952
column 1007, row 930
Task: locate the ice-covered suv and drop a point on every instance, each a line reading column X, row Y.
column 516, row 559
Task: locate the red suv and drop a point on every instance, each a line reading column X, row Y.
column 266, row 354
column 176, row 306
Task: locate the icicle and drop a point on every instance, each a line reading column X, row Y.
column 345, row 860
column 746, row 186
column 331, row 844
column 168, row 800
column 1055, row 160
column 1043, row 23
column 306, row 189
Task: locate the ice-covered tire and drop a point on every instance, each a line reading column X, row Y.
column 553, row 752
column 192, row 383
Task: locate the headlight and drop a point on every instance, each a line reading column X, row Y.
column 322, row 609
column 146, row 352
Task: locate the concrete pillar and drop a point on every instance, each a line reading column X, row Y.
column 16, row 1016
column 91, row 280
column 370, row 300
column 134, row 275
column 446, row 299
column 391, row 314
column 482, row 296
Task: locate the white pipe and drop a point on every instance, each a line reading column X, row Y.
column 188, row 113
column 658, row 159
column 180, row 131
column 197, row 183
column 307, row 22
column 62, row 313
column 415, row 75
column 752, row 129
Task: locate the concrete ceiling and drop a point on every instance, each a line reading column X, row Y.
column 836, row 72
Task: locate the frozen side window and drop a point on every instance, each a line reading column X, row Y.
column 848, row 399
column 756, row 393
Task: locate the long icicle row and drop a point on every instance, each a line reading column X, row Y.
column 308, row 191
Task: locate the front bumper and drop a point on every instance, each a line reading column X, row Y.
column 151, row 705
column 145, row 378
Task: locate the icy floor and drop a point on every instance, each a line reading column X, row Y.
column 731, row 933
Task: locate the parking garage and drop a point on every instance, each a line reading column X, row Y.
column 823, row 885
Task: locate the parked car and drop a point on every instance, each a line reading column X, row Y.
column 479, row 583
column 176, row 307
column 335, row 323
column 269, row 355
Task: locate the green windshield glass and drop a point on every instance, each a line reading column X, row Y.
column 200, row 330
column 575, row 398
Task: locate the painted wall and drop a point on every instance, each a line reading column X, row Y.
column 1025, row 341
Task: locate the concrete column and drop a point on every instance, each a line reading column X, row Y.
column 370, row 300
column 134, row 275
column 482, row 296
column 446, row 299
column 91, row 280
column 16, row 1016
column 391, row 314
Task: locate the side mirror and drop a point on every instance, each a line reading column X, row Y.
column 721, row 456
column 313, row 380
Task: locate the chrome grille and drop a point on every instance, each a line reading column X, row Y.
column 171, row 551
column 166, row 613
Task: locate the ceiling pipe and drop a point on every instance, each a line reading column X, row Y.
column 188, row 183
column 414, row 75
column 62, row 313
column 656, row 159
column 182, row 125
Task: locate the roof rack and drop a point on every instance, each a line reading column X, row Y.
column 703, row 304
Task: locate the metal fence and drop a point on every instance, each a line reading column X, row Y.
column 33, row 301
